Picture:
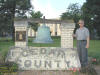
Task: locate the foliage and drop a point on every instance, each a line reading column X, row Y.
column 8, row 10
column 35, row 15
column 91, row 14
column 73, row 12
column 34, row 26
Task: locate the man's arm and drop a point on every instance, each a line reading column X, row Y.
column 88, row 40
column 74, row 35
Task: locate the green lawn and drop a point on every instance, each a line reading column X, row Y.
column 4, row 46
column 93, row 51
column 56, row 43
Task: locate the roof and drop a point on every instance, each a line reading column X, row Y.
column 46, row 20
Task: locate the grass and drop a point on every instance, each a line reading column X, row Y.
column 93, row 51
column 56, row 43
column 4, row 46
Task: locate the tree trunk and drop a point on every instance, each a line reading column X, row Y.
column 34, row 33
column 13, row 16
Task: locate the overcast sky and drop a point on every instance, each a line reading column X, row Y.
column 53, row 8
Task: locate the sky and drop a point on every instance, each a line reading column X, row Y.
column 52, row 9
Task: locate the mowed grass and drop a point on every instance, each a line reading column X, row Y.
column 56, row 43
column 5, row 44
column 93, row 51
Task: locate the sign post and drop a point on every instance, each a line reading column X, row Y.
column 21, row 36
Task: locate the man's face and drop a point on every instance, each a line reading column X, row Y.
column 81, row 23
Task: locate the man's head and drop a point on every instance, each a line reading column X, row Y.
column 81, row 23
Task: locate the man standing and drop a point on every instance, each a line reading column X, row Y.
column 82, row 36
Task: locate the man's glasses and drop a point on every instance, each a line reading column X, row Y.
column 80, row 23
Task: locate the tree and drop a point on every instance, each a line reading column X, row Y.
column 35, row 15
column 87, row 18
column 73, row 12
column 10, row 8
column 91, row 12
column 34, row 26
column 5, row 18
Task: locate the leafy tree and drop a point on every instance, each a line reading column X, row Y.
column 91, row 14
column 87, row 18
column 73, row 12
column 35, row 15
column 11, row 8
column 34, row 26
column 5, row 19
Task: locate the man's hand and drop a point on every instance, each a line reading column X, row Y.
column 73, row 35
column 87, row 46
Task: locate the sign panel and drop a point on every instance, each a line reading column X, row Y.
column 20, row 35
column 46, row 58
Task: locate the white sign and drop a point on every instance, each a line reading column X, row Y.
column 47, row 58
